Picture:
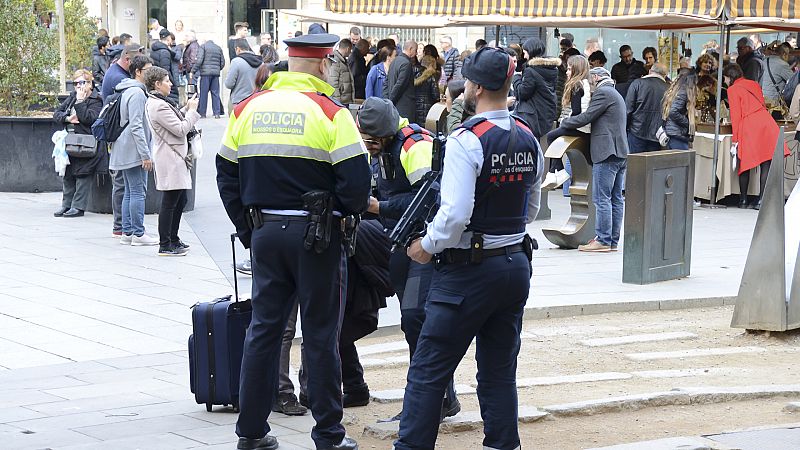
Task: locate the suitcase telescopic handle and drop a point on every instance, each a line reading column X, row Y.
column 235, row 275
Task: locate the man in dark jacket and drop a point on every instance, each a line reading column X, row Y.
column 643, row 101
column 536, row 89
column 190, row 55
column 168, row 59
column 357, row 63
column 209, row 64
column 606, row 113
column 450, row 55
column 399, row 87
column 119, row 70
column 749, row 60
column 627, row 70
column 100, row 61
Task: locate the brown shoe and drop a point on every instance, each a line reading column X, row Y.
column 595, row 246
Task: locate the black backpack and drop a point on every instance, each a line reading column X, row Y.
column 788, row 90
column 108, row 125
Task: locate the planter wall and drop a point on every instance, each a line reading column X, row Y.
column 100, row 196
column 26, row 163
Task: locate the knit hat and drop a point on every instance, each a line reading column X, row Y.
column 378, row 117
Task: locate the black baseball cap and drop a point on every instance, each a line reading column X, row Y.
column 489, row 67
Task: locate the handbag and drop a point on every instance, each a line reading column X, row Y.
column 80, row 145
column 188, row 159
column 195, row 143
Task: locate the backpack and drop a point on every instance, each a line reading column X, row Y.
column 791, row 86
column 108, row 126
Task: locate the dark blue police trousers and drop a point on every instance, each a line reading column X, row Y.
column 411, row 282
column 483, row 301
column 282, row 271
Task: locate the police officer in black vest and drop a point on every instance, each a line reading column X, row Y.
column 482, row 256
column 401, row 155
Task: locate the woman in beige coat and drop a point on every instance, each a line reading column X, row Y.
column 171, row 157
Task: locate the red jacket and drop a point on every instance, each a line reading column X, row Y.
column 753, row 126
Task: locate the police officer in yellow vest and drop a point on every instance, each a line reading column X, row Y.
column 401, row 155
column 292, row 164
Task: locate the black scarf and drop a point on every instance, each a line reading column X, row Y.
column 172, row 103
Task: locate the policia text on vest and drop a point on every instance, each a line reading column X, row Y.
column 279, row 123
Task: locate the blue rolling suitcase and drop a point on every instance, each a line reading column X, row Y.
column 216, row 346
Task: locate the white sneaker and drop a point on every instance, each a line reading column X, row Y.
column 126, row 239
column 549, row 181
column 144, row 239
column 561, row 177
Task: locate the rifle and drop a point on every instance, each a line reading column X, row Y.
column 424, row 205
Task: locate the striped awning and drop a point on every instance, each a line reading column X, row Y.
column 533, row 8
column 762, row 9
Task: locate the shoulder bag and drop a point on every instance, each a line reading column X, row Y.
column 80, row 145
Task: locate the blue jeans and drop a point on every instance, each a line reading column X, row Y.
column 639, row 145
column 676, row 143
column 135, row 180
column 608, row 178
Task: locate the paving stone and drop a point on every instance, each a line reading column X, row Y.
column 187, row 406
column 637, row 338
column 616, row 404
column 300, row 424
column 564, row 379
column 163, row 441
column 692, row 353
column 530, row 414
column 792, row 407
column 675, row 443
column 94, row 404
column 104, row 389
column 143, row 360
column 68, row 421
column 113, row 375
column 301, row 440
column 13, row 440
column 463, row 421
column 40, row 383
column 396, row 395
column 69, row 368
column 18, row 413
column 681, row 373
column 391, row 361
column 133, row 428
column 383, row 431
column 387, row 347
column 227, row 417
column 710, row 394
column 23, row 397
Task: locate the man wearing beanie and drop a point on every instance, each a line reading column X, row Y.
column 607, row 114
column 489, row 191
column 401, row 155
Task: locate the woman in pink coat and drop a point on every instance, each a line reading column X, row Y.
column 171, row 160
column 754, row 130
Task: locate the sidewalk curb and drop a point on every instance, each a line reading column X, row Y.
column 677, row 396
column 555, row 312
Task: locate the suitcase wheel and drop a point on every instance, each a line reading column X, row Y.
column 208, row 407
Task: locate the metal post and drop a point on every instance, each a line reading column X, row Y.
column 62, row 48
column 715, row 159
column 671, row 52
column 497, row 36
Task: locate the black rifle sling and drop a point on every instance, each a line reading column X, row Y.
column 512, row 143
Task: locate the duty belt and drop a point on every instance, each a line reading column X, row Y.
column 463, row 256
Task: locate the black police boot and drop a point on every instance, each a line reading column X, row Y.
column 346, row 444
column 450, row 408
column 60, row 212
column 265, row 443
column 356, row 397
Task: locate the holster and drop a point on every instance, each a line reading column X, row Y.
column 254, row 217
column 319, row 204
column 529, row 244
column 349, row 234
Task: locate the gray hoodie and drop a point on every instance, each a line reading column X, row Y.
column 133, row 145
column 241, row 77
